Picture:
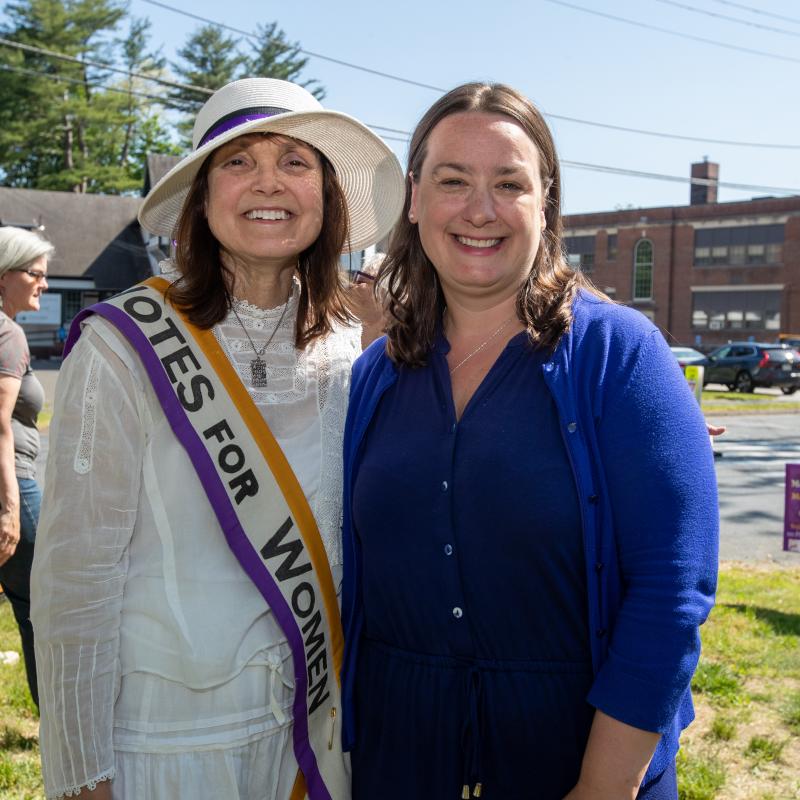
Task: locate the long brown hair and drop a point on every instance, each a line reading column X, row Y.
column 203, row 292
column 414, row 295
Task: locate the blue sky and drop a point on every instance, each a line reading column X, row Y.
column 569, row 62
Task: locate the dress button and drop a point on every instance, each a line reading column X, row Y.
column 444, row 486
column 572, row 427
column 448, row 549
column 458, row 613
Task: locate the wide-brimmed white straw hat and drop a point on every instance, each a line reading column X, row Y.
column 368, row 171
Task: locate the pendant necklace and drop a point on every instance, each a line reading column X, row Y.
column 258, row 367
column 483, row 344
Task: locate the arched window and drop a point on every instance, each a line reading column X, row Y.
column 643, row 270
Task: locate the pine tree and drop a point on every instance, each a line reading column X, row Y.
column 69, row 125
column 210, row 59
column 275, row 57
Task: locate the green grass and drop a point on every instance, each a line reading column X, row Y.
column 747, row 691
column 20, row 777
column 699, row 777
column 764, row 748
column 744, row 745
column 722, row 401
column 791, row 713
column 723, row 729
column 719, row 683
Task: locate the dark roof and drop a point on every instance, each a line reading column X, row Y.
column 95, row 236
column 156, row 168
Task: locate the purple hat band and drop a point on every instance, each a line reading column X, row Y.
column 239, row 117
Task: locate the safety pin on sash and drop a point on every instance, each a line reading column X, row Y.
column 333, row 727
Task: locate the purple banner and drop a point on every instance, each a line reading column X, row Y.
column 791, row 514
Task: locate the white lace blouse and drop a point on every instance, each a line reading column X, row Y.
column 149, row 636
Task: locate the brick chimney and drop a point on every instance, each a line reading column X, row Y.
column 703, row 193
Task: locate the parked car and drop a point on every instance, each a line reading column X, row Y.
column 742, row 366
column 688, row 355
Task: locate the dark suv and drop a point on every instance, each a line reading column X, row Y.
column 744, row 365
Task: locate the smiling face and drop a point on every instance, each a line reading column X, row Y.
column 478, row 203
column 21, row 291
column 265, row 200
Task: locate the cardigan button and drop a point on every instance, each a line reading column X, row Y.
column 572, row 427
column 593, row 499
column 548, row 367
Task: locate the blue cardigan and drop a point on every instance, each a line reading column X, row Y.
column 644, row 473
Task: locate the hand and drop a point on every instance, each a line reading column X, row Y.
column 364, row 304
column 715, row 430
column 9, row 535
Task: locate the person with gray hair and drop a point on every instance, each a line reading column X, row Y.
column 23, row 278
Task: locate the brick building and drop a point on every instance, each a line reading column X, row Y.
column 705, row 273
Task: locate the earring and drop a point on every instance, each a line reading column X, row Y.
column 412, row 217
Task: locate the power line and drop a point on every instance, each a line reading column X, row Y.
column 758, row 11
column 400, row 79
column 679, row 34
column 641, row 174
column 338, row 61
column 746, row 187
column 94, row 84
column 562, row 117
column 97, row 65
column 696, row 10
column 566, row 163
column 682, row 137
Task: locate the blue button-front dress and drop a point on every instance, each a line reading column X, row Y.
column 475, row 661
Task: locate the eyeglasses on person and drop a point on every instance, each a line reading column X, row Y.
column 36, row 274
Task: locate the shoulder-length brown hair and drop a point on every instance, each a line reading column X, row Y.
column 414, row 295
column 203, row 292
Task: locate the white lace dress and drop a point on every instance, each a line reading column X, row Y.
column 160, row 664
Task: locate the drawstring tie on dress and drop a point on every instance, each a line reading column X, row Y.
column 471, row 738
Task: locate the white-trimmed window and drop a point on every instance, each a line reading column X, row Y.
column 643, row 270
column 755, row 309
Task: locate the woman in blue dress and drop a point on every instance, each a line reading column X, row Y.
column 530, row 518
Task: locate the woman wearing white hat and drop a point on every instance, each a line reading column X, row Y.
column 188, row 635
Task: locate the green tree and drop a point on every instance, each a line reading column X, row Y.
column 71, row 125
column 273, row 56
column 211, row 58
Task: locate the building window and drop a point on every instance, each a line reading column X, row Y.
column 643, row 271
column 611, row 247
column 580, row 252
column 70, row 304
column 736, row 310
column 749, row 245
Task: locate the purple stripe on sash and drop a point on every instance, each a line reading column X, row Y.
column 231, row 527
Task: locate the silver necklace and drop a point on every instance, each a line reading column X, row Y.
column 258, row 367
column 483, row 344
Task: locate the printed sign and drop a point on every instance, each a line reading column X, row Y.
column 791, row 514
column 694, row 376
column 49, row 312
